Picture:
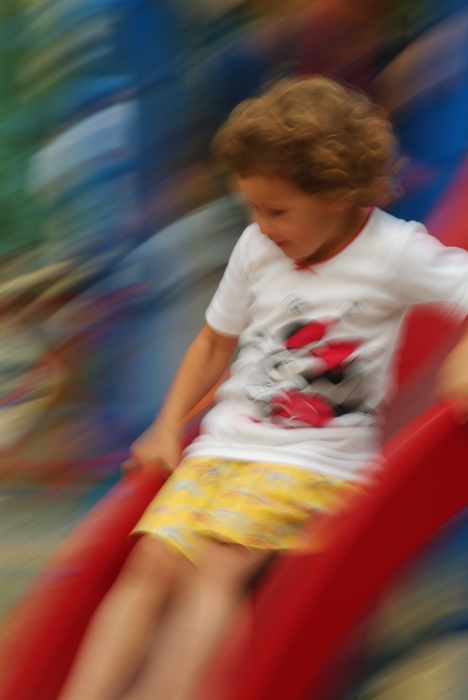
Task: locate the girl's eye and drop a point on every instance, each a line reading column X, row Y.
column 277, row 212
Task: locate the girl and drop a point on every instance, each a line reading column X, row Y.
column 312, row 300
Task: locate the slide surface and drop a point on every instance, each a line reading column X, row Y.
column 296, row 624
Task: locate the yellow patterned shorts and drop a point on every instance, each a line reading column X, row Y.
column 254, row 504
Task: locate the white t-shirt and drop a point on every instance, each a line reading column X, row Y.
column 316, row 344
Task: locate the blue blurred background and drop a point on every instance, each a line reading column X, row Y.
column 115, row 226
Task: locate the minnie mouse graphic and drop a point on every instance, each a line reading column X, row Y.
column 309, row 379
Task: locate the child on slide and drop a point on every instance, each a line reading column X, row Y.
column 311, row 306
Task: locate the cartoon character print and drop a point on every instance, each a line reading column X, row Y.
column 309, row 379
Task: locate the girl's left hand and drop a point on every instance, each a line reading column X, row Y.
column 452, row 380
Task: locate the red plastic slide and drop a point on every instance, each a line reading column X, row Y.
column 300, row 612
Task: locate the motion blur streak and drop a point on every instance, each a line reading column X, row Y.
column 115, row 225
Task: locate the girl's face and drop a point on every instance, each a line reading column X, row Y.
column 305, row 227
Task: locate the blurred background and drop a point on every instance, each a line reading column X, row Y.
column 115, row 226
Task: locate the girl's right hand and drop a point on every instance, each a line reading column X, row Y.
column 154, row 447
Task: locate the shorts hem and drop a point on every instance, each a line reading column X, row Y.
column 170, row 544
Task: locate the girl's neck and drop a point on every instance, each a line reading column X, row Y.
column 348, row 227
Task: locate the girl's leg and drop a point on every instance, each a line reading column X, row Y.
column 204, row 603
column 115, row 641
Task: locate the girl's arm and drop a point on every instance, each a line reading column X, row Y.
column 452, row 381
column 203, row 364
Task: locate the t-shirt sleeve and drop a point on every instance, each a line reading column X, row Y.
column 424, row 270
column 227, row 312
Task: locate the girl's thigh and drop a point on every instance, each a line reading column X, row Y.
column 231, row 564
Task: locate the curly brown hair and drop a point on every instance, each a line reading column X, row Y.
column 328, row 139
